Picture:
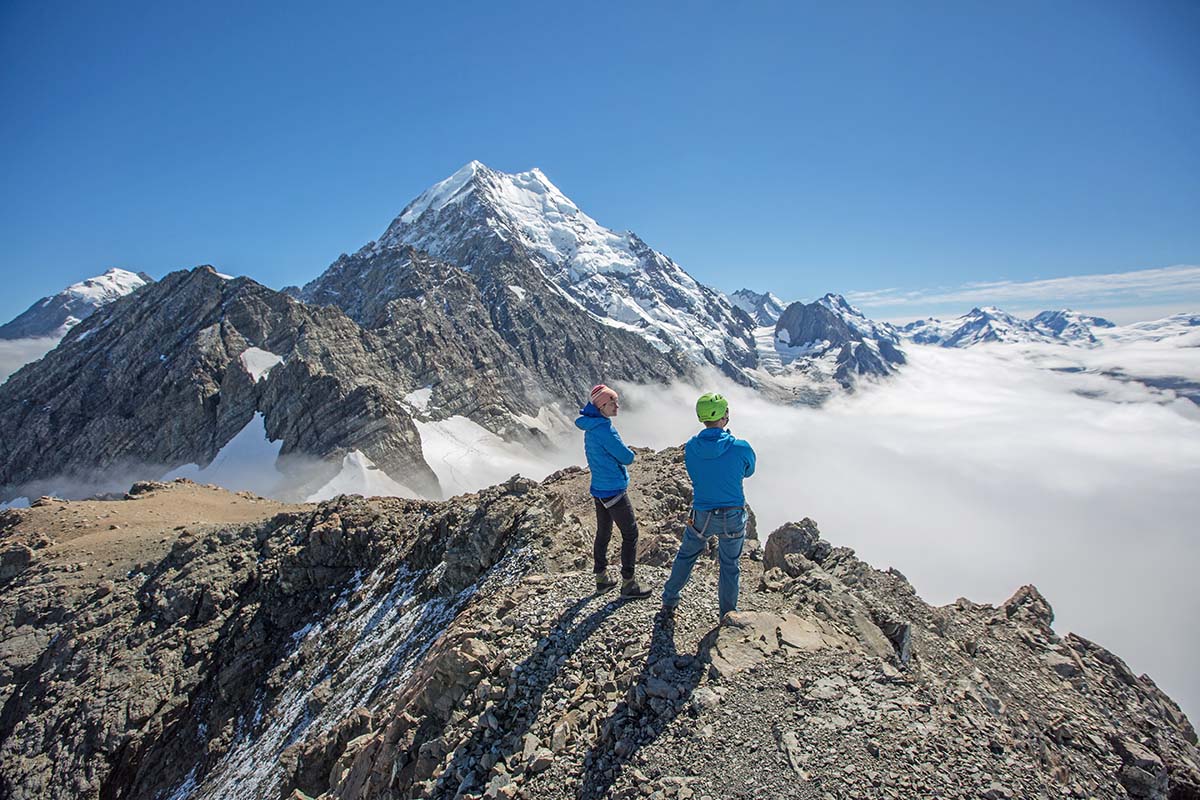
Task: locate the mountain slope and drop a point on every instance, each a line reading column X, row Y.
column 54, row 316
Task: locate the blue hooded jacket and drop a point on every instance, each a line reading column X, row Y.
column 717, row 462
column 606, row 454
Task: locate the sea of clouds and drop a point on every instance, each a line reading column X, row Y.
column 16, row 353
column 976, row 471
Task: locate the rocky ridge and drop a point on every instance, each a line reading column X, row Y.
column 833, row 332
column 389, row 648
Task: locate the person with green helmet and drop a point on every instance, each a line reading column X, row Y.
column 717, row 462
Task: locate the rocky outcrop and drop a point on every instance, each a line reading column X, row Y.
column 830, row 328
column 396, row 649
column 162, row 378
column 491, row 342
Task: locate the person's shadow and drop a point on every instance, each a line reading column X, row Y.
column 661, row 692
column 515, row 714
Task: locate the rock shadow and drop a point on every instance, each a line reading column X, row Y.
column 518, row 710
column 660, row 693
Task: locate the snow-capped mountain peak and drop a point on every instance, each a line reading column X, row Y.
column 764, row 308
column 525, row 206
column 857, row 320
column 517, row 234
column 55, row 315
column 1069, row 326
column 991, row 324
column 479, row 218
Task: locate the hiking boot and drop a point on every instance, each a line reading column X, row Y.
column 604, row 582
column 632, row 590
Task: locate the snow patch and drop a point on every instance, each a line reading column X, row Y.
column 465, row 456
column 245, row 463
column 518, row 291
column 258, row 363
column 16, row 502
column 360, row 475
column 419, row 399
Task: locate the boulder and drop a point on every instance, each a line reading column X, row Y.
column 795, row 539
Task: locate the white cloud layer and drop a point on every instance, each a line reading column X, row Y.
column 1169, row 286
column 16, row 353
column 974, row 472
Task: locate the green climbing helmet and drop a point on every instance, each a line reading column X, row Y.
column 711, row 407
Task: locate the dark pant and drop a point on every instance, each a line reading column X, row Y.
column 622, row 514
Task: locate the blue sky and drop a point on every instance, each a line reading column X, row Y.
column 900, row 153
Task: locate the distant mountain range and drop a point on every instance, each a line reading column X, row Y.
column 491, row 301
column 488, row 307
column 990, row 324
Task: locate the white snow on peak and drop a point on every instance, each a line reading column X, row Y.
column 525, row 206
column 443, row 193
column 857, row 320
column 359, row 475
column 101, row 289
column 765, row 308
column 614, row 276
column 258, row 363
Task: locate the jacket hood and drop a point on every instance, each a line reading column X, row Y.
column 590, row 418
column 711, row 443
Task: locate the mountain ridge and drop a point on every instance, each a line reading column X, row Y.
column 385, row 648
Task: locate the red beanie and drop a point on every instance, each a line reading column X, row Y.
column 600, row 391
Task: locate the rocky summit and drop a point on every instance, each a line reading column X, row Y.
column 185, row 642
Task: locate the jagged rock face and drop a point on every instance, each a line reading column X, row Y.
column 158, row 681
column 396, row 649
column 504, row 337
column 54, row 316
column 832, row 328
column 158, row 379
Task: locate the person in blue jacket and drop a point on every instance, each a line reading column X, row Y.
column 608, row 457
column 717, row 462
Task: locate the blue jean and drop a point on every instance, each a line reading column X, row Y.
column 729, row 525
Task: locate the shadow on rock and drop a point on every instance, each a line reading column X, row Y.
column 662, row 690
column 502, row 741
